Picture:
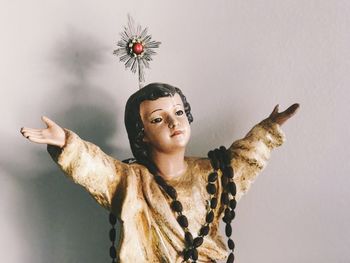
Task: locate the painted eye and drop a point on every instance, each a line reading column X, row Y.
column 179, row 112
column 156, row 120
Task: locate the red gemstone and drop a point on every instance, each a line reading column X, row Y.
column 137, row 48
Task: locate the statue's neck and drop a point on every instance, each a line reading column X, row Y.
column 171, row 165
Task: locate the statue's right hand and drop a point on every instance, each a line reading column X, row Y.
column 53, row 134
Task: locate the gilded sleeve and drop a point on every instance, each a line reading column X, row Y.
column 87, row 165
column 249, row 155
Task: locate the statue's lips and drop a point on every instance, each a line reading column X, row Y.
column 175, row 133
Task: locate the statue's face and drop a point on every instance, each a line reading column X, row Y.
column 166, row 125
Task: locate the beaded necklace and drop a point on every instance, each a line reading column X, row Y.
column 220, row 160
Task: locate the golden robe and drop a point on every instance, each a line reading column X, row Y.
column 150, row 232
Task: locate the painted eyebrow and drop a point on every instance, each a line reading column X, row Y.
column 161, row 109
column 155, row 111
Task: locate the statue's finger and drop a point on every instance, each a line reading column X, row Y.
column 33, row 131
column 30, row 130
column 292, row 109
column 25, row 134
column 275, row 110
column 48, row 122
column 33, row 135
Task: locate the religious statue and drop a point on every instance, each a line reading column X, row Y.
column 169, row 205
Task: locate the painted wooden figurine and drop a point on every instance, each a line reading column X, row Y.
column 169, row 205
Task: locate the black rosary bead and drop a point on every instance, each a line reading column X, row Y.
column 211, row 189
column 230, row 258
column 171, row 192
column 217, row 159
column 112, row 234
column 187, row 254
column 112, row 252
column 182, row 221
column 215, row 164
column 228, row 230
column 228, row 213
column 225, row 155
column 176, row 206
column 228, row 172
column 213, row 203
column 112, row 219
column 231, row 187
column 233, row 214
column 219, row 156
column 227, row 219
column 204, row 230
column 231, row 244
column 224, row 198
column 222, row 167
column 212, row 177
column 224, row 181
column 194, row 254
column 213, row 160
column 233, row 203
column 210, row 217
column 188, row 238
column 198, row 241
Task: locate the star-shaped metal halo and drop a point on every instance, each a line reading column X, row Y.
column 136, row 48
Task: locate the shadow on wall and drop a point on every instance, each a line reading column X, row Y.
column 61, row 221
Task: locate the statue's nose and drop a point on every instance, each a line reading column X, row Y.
column 172, row 122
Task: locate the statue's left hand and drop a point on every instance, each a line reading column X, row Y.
column 282, row 117
column 52, row 135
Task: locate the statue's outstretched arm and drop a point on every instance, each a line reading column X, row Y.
column 249, row 156
column 83, row 162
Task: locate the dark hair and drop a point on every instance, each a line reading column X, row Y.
column 132, row 118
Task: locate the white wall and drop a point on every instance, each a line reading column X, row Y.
column 234, row 60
